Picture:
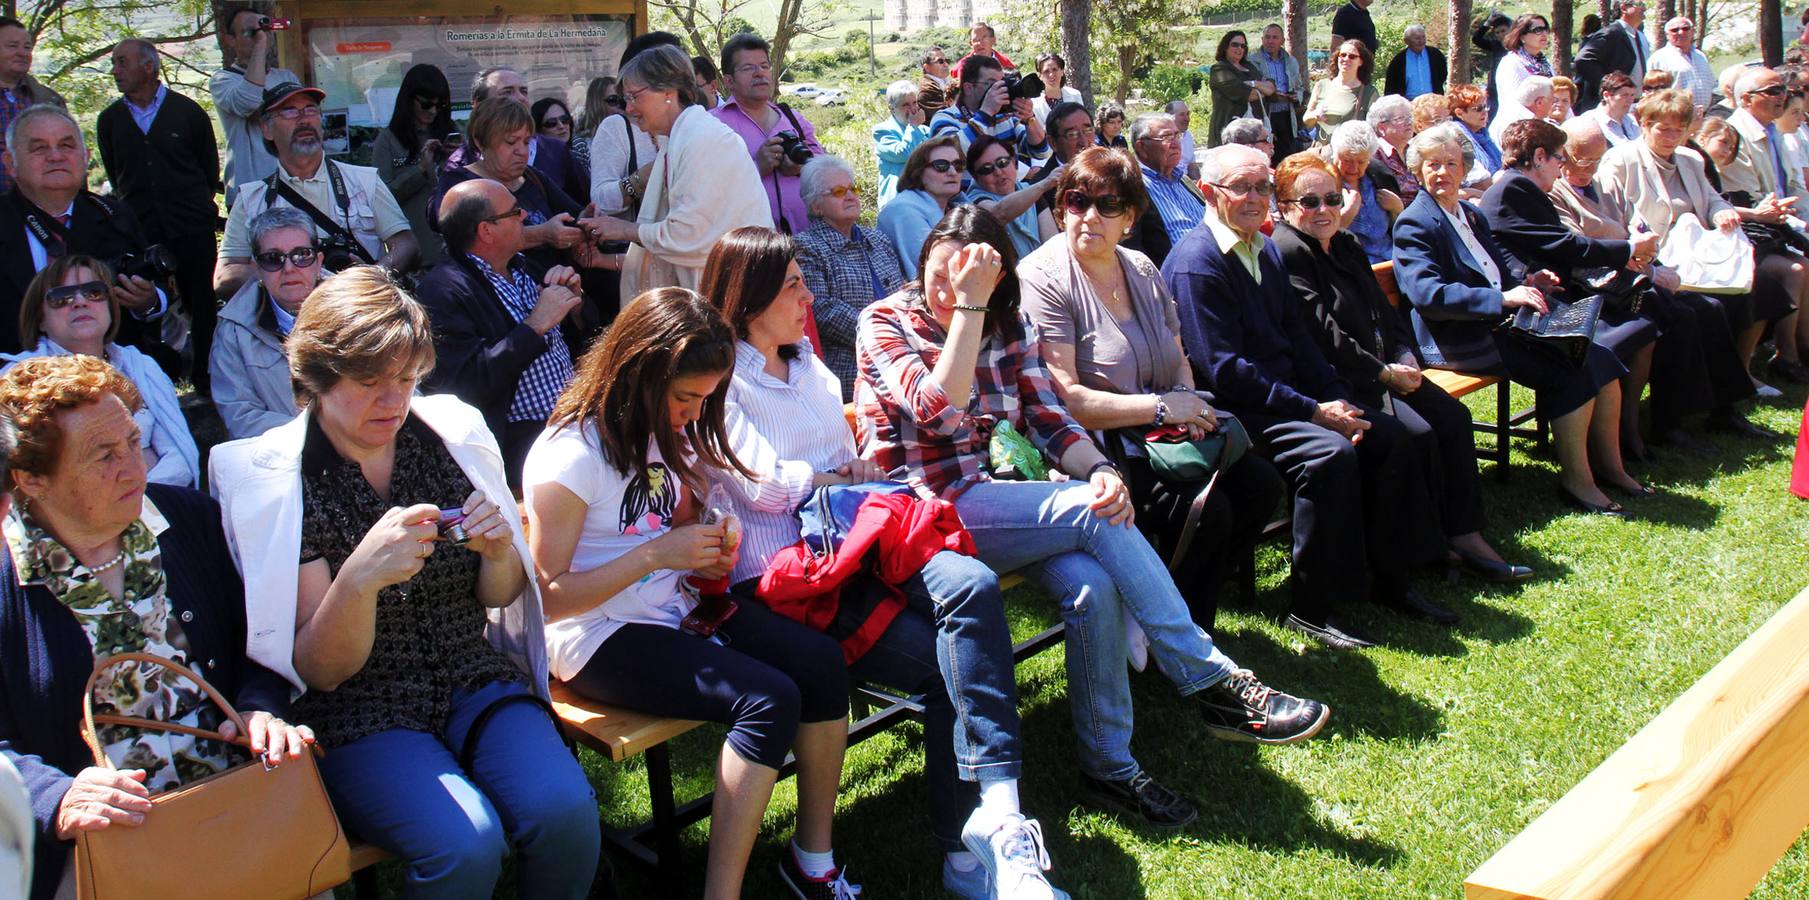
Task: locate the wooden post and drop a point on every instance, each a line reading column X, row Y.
column 1563, row 24
column 1294, row 29
column 1699, row 804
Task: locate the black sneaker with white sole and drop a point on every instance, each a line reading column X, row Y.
column 1140, row 796
column 833, row 886
column 1240, row 708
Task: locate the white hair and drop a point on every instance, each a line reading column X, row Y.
column 1246, row 131
column 1144, row 124
column 1214, row 162
column 1175, row 106
column 1437, row 137
column 1352, row 138
column 1413, row 30
column 899, row 91
column 1534, row 87
column 813, row 181
column 1389, row 108
column 1749, row 79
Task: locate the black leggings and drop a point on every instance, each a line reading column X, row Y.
column 773, row 674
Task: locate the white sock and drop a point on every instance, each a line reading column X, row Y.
column 1000, row 797
column 963, row 861
column 816, row 865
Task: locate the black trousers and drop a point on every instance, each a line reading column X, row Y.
column 1696, row 366
column 1446, row 444
column 1363, row 513
column 1287, row 140
column 1232, row 520
column 195, row 257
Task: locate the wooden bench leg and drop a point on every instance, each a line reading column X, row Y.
column 665, row 821
column 1504, row 416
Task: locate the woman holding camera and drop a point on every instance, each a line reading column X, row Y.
column 69, row 309
column 387, row 581
column 408, row 153
column 503, row 132
column 624, row 544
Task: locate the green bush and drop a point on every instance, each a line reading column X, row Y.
column 1168, row 82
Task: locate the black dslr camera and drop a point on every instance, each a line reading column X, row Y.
column 153, row 263
column 338, row 253
column 793, row 148
column 1022, row 87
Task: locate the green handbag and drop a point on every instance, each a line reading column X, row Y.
column 1177, row 460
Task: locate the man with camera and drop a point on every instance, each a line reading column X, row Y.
column 359, row 220
column 990, row 102
column 500, row 324
column 548, row 156
column 780, row 140
column 238, row 92
column 50, row 213
column 159, row 152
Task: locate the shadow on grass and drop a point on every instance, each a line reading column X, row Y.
column 1361, row 701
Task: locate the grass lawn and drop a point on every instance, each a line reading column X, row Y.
column 1442, row 745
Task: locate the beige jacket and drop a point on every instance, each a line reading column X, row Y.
column 1589, row 218
column 702, row 185
column 1633, row 189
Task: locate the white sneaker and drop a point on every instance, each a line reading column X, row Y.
column 972, row 884
column 1766, row 391
column 1013, row 855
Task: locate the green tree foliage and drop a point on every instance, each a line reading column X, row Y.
column 1128, row 38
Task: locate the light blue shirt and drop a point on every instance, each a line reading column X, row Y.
column 906, row 222
column 1025, row 236
column 285, row 323
column 145, row 116
column 1276, row 67
column 1419, row 73
column 1179, row 208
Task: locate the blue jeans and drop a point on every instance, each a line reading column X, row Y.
column 1100, row 571
column 404, row 791
column 953, row 645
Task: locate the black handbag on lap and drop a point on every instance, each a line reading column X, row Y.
column 1568, row 328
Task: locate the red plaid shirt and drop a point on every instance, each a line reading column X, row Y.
column 908, row 426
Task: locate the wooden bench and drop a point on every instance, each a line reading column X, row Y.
column 1700, row 803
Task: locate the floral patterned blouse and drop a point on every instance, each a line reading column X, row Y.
column 137, row 621
column 430, row 629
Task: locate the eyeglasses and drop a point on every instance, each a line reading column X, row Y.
column 614, row 100
column 1776, row 90
column 939, row 61
column 91, row 291
column 631, row 95
column 1357, row 56
column 1681, row 29
column 1260, row 188
column 292, row 113
column 943, row 165
column 1074, row 134
column 506, row 214
column 1162, row 138
column 1538, row 29
column 984, row 169
column 301, row 257
column 844, row 190
column 430, row 102
column 1238, row 45
column 1333, row 200
column 555, row 121
column 1585, row 162
column 1078, row 202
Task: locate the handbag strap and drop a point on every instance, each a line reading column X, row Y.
column 1196, row 509
column 89, row 719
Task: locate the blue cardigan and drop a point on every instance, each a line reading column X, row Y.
column 45, row 659
column 1251, row 344
column 1454, row 307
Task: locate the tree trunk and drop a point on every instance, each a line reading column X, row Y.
column 1771, row 33
column 1076, row 26
column 1294, row 28
column 1459, row 17
column 1127, row 63
column 786, row 29
column 1562, row 24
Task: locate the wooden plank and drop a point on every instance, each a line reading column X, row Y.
column 616, row 733
column 1457, row 384
column 366, row 855
column 1700, row 803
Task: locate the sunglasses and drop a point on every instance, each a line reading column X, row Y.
column 1332, row 200
column 1538, row 29
column 985, row 169
column 1238, row 45
column 301, row 257
column 1078, row 202
column 91, row 291
column 431, row 102
column 614, row 100
column 943, row 165
column 1776, row 90
column 555, row 121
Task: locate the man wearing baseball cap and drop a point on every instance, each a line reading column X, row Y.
column 354, row 213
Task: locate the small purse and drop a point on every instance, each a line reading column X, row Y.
column 1568, row 328
column 250, row 831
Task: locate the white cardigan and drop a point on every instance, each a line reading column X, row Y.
column 702, row 185
column 258, row 483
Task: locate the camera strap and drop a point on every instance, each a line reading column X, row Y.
column 275, row 184
column 778, row 190
column 47, row 228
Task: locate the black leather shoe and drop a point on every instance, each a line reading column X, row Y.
column 1793, row 372
column 1413, row 603
column 1492, row 569
column 1610, row 509
column 1334, row 635
column 1140, row 796
column 1645, row 490
column 1240, row 708
column 1678, row 439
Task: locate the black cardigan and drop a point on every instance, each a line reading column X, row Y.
column 1353, row 322
column 169, row 176
column 45, row 659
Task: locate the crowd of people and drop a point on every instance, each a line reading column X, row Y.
column 606, row 398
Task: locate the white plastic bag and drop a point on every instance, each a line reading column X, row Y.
column 1708, row 260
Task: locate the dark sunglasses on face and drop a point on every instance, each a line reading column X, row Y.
column 555, row 121
column 430, row 102
column 1077, row 203
column 614, row 100
column 1538, row 29
column 301, row 257
column 1332, row 200
column 984, row 169
column 91, row 291
column 943, row 165
column 1776, row 90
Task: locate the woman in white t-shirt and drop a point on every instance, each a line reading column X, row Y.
column 624, row 624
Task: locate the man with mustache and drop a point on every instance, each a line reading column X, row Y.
column 344, row 201
column 762, row 125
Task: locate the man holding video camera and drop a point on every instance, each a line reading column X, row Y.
column 357, row 218
column 50, row 213
column 238, row 92
column 990, row 102
column 780, row 140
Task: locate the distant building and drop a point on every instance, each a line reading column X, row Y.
column 916, row 15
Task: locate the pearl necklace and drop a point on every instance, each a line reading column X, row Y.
column 115, row 561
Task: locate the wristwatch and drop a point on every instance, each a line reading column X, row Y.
column 1161, row 411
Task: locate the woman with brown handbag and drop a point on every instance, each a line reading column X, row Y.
column 100, row 562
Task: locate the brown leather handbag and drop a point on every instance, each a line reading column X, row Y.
column 250, row 831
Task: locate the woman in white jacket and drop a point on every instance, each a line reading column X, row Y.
column 702, row 185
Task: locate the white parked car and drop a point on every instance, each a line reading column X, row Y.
column 832, row 97
column 804, row 91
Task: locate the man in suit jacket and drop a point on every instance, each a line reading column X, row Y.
column 550, row 157
column 1176, row 204
column 1619, row 47
column 159, row 151
column 1247, row 335
column 498, row 324
column 51, row 213
column 1429, row 60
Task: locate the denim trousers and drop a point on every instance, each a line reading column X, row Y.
column 1101, row 572
column 405, row 791
column 952, row 644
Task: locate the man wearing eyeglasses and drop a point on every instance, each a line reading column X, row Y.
column 1246, row 332
column 932, row 88
column 1176, row 205
column 1619, row 47
column 1760, row 170
column 238, row 92
column 1689, row 68
column 499, row 323
column 354, row 211
column 160, row 155
column 764, row 126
